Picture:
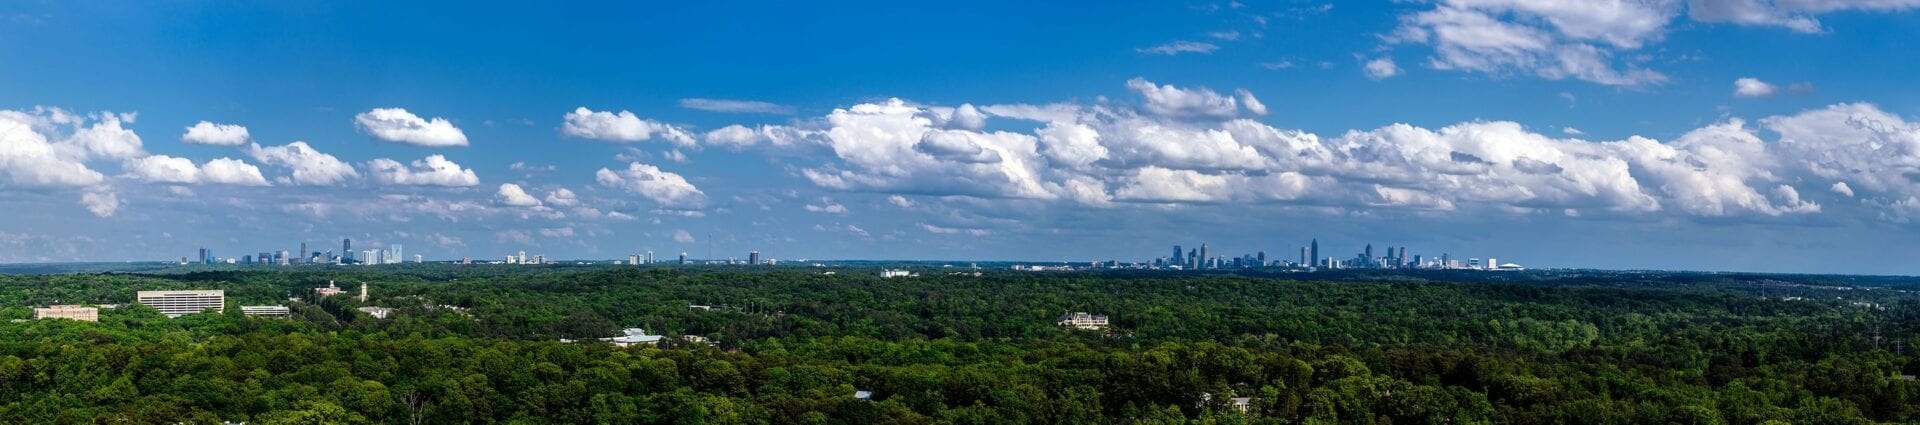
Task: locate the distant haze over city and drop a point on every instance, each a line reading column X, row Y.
column 1749, row 136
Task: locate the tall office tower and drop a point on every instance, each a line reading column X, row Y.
column 1262, row 258
column 1315, row 246
column 397, row 257
column 1369, row 253
column 1416, row 261
column 346, row 250
column 417, row 259
column 1303, row 257
column 302, row 253
column 753, row 258
column 1446, row 260
column 1203, row 254
column 281, row 258
column 1402, row 258
column 1177, row 255
column 204, row 258
column 1493, row 263
column 1193, row 259
column 683, row 258
column 633, row 259
column 649, row 257
column 523, row 256
column 366, row 257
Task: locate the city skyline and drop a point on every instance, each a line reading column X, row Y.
column 1687, row 135
column 1201, row 258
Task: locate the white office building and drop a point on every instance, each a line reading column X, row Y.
column 266, row 310
column 181, row 303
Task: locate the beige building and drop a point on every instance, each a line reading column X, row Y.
column 328, row 291
column 181, row 303
column 74, row 312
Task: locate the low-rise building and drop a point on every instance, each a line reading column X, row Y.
column 632, row 336
column 328, row 291
column 376, row 312
column 71, row 312
column 266, row 310
column 181, row 303
column 891, row 273
column 1240, row 404
column 1082, row 320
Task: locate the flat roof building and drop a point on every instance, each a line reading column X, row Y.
column 376, row 312
column 73, row 312
column 632, row 336
column 266, row 310
column 181, row 303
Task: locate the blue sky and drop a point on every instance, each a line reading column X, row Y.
column 1699, row 134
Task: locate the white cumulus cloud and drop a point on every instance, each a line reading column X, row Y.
column 1381, row 68
column 209, row 133
column 434, row 170
column 310, row 166
column 622, row 127
column 666, row 188
column 561, row 197
column 398, row 125
column 512, row 195
column 1753, row 87
column 100, row 203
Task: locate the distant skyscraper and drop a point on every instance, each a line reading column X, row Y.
column 346, row 250
column 1262, row 259
column 683, row 258
column 753, row 258
column 1303, row 257
column 1369, row 253
column 302, row 253
column 1402, row 257
column 1203, row 255
column 1178, row 256
column 1315, row 248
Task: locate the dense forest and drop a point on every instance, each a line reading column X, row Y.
column 793, row 345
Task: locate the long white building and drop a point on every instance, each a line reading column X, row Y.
column 181, row 303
